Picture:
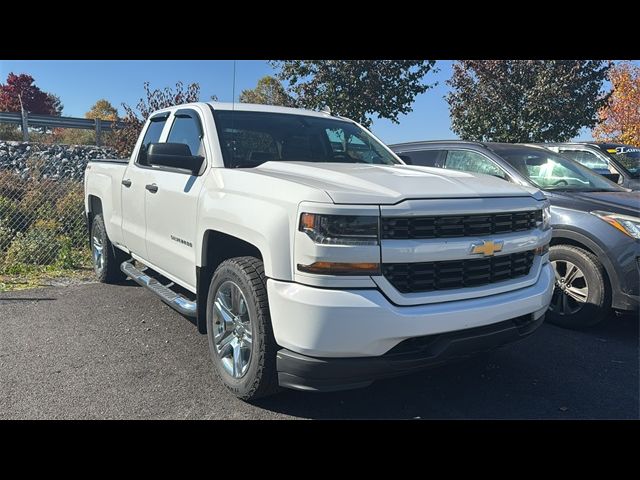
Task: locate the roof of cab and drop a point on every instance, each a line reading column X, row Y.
column 253, row 107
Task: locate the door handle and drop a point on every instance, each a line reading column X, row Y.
column 152, row 187
column 126, row 182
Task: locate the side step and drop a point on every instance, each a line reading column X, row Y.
column 168, row 296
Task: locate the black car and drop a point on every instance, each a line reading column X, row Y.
column 595, row 247
column 616, row 161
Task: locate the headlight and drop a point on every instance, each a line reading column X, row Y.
column 546, row 217
column 625, row 223
column 340, row 229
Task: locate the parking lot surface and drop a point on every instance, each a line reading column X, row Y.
column 116, row 351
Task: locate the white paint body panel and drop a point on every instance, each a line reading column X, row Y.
column 362, row 323
column 317, row 314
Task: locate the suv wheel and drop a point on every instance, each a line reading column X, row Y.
column 582, row 297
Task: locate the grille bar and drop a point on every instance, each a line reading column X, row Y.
column 405, row 228
column 445, row 275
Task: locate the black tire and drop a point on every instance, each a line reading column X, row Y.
column 261, row 377
column 107, row 271
column 598, row 301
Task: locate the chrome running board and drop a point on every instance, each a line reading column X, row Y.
column 168, row 296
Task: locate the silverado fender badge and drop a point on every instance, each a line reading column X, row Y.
column 487, row 247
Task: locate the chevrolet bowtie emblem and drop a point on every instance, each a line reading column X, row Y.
column 487, row 248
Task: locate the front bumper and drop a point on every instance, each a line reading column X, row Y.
column 328, row 323
column 301, row 372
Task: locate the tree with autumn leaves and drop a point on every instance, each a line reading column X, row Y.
column 620, row 118
column 20, row 91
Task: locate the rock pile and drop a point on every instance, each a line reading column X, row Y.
column 50, row 161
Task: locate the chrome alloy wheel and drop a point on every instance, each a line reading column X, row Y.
column 571, row 289
column 98, row 253
column 233, row 334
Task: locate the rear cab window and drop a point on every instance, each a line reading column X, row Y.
column 151, row 135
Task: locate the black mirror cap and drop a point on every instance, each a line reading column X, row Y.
column 174, row 155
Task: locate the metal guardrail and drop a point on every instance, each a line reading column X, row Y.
column 34, row 120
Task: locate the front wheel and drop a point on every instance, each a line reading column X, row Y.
column 582, row 296
column 239, row 331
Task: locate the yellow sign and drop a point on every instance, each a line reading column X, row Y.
column 487, row 247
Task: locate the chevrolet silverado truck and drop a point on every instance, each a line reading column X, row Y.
column 310, row 255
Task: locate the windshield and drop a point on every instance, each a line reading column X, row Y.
column 629, row 157
column 249, row 139
column 550, row 171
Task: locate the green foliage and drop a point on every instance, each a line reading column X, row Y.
column 41, row 225
column 38, row 246
column 70, row 215
column 268, row 91
column 10, row 132
column 6, row 236
column 8, row 211
column 356, row 89
column 525, row 100
column 72, row 136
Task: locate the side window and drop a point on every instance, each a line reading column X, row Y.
column 426, row 158
column 152, row 135
column 469, row 161
column 588, row 159
column 187, row 130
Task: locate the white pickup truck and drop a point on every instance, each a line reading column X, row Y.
column 309, row 253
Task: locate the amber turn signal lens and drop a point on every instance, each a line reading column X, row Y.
column 307, row 221
column 333, row 268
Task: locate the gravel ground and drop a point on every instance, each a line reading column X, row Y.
column 103, row 352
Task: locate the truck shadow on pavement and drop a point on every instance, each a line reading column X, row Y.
column 555, row 373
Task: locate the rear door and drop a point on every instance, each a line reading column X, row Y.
column 172, row 205
column 137, row 175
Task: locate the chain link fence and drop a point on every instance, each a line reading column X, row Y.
column 42, row 223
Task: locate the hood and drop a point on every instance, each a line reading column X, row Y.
column 350, row 183
column 627, row 203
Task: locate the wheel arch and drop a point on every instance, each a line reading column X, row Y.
column 217, row 246
column 94, row 207
column 577, row 239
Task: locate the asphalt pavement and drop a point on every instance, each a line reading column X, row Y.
column 98, row 351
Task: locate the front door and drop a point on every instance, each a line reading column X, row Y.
column 172, row 205
column 133, row 191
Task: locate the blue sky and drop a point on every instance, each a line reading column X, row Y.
column 79, row 83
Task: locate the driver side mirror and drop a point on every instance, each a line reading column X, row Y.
column 405, row 159
column 174, row 155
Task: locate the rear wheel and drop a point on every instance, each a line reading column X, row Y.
column 241, row 340
column 106, row 257
column 582, row 297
